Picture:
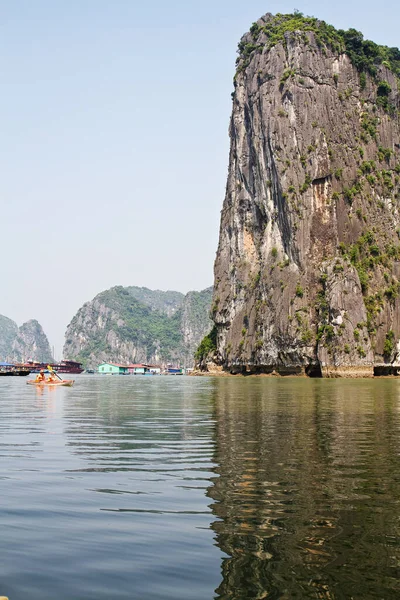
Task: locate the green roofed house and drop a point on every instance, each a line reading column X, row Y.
column 112, row 369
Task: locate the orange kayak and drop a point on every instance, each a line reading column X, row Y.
column 68, row 382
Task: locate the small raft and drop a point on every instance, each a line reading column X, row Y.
column 67, row 382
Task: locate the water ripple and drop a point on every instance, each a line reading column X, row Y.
column 186, row 488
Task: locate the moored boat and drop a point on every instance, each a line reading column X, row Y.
column 8, row 369
column 65, row 366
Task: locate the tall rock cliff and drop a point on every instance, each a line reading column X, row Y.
column 20, row 344
column 308, row 264
column 133, row 324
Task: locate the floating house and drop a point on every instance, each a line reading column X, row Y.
column 138, row 369
column 112, row 369
column 142, row 369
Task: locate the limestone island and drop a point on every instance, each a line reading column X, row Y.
column 307, row 272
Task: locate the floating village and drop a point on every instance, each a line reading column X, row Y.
column 76, row 368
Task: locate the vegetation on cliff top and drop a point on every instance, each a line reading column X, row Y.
column 365, row 55
column 165, row 302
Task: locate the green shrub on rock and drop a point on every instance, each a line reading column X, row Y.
column 207, row 345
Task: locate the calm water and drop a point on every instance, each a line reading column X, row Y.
column 200, row 488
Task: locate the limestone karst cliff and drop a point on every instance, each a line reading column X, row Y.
column 19, row 344
column 308, row 264
column 134, row 324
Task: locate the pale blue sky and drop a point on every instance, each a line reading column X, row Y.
column 114, row 141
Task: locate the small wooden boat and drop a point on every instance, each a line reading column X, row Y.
column 67, row 382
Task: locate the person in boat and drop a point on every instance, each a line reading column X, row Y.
column 40, row 376
column 51, row 378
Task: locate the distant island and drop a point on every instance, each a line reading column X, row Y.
column 138, row 325
column 20, row 344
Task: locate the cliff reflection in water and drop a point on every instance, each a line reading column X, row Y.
column 148, row 424
column 307, row 498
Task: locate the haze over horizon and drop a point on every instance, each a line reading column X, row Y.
column 115, row 142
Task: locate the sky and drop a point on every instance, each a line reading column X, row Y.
column 114, row 142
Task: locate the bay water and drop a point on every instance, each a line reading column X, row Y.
column 190, row 488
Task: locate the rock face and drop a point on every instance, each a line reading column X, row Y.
column 27, row 342
column 132, row 325
column 165, row 302
column 195, row 322
column 8, row 333
column 31, row 343
column 307, row 269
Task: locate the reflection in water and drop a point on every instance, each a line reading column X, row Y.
column 104, row 493
column 148, row 428
column 307, row 498
column 108, row 489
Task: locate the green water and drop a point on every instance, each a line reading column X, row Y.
column 200, row 488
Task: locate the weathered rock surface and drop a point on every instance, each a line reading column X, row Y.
column 195, row 321
column 31, row 343
column 27, row 342
column 132, row 325
column 307, row 268
column 8, row 333
column 165, row 302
